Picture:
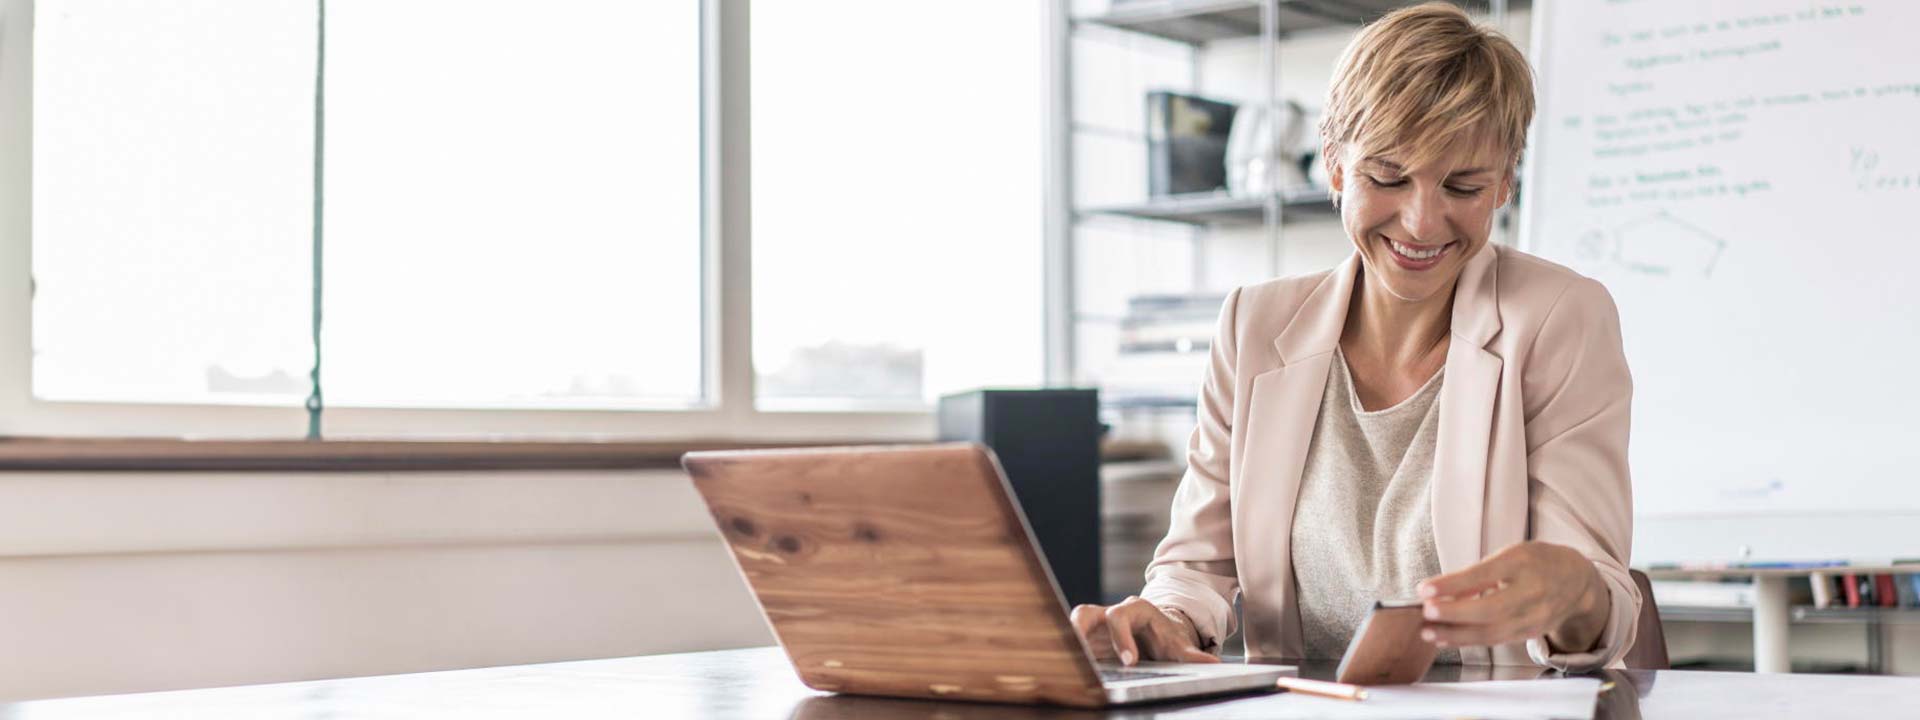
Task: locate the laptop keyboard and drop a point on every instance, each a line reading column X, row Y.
column 1107, row 675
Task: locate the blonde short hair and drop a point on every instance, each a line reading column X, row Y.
column 1417, row 80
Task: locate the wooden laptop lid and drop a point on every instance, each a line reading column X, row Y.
column 897, row 570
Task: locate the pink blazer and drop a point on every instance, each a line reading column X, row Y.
column 1532, row 445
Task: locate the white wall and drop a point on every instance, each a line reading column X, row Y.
column 144, row 581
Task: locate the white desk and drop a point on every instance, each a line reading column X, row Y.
column 759, row 683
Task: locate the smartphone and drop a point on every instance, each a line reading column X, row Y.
column 1387, row 649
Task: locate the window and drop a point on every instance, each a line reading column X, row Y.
column 511, row 206
column 896, row 201
column 172, row 201
column 523, row 209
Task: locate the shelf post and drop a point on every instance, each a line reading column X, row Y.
column 1770, row 624
column 1270, row 96
column 1056, row 237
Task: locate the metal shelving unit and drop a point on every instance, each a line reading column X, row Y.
column 1198, row 25
column 1194, row 23
column 1203, row 21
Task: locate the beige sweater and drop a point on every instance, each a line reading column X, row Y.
column 1363, row 528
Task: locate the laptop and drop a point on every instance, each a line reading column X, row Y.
column 910, row 571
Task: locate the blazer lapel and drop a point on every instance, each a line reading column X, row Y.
column 1284, row 403
column 1286, row 400
column 1467, row 399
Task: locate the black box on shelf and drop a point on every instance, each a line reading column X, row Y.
column 1049, row 443
column 1186, row 143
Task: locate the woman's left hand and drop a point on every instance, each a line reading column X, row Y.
column 1528, row 590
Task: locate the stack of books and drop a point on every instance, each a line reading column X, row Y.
column 1164, row 345
column 1860, row 590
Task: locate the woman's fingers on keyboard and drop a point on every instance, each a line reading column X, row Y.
column 1090, row 621
column 1135, row 630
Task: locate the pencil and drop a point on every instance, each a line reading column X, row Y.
column 1322, row 688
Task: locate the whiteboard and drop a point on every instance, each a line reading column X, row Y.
column 1744, row 177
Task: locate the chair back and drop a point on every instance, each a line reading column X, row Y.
column 1649, row 651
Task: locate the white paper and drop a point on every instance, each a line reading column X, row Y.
column 1553, row 699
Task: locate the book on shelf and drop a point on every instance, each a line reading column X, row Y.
column 1176, row 304
column 1822, row 589
column 1830, row 590
column 1167, row 345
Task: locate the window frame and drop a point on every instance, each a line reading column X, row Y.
column 728, row 412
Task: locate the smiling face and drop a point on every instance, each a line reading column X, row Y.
column 1424, row 122
column 1416, row 227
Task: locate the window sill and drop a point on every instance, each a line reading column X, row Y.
column 170, row 455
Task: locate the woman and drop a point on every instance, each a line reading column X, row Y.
column 1436, row 418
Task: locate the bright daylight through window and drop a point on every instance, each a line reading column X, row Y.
column 896, row 204
column 512, row 202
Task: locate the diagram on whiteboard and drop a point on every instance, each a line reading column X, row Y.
column 1742, row 178
column 1657, row 244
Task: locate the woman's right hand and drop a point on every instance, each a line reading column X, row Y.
column 1136, row 630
